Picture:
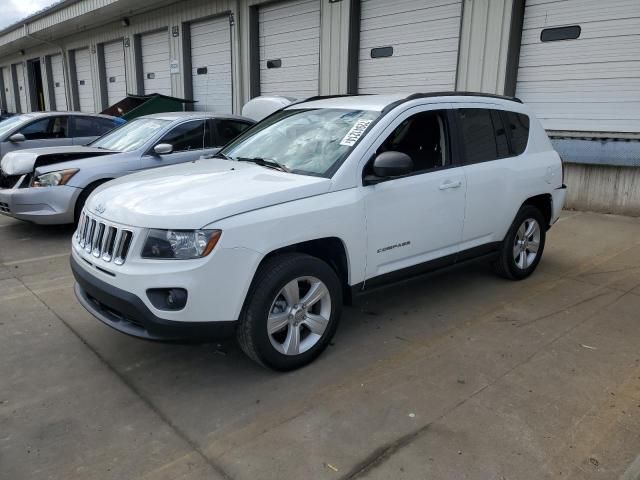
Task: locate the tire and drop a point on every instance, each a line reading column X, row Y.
column 82, row 199
column 519, row 256
column 271, row 304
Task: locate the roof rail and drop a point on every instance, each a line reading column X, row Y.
column 413, row 96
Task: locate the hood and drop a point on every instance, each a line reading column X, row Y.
column 20, row 162
column 195, row 194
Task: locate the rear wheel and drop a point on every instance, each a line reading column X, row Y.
column 523, row 246
column 292, row 311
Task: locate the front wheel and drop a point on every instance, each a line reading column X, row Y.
column 523, row 246
column 292, row 311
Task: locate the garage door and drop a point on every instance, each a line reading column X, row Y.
column 116, row 80
column 84, row 81
column 408, row 46
column 22, row 87
column 155, row 62
column 211, row 65
column 580, row 64
column 289, row 37
column 57, row 80
column 9, row 96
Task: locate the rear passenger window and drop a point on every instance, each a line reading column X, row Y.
column 91, row 126
column 229, row 129
column 518, row 130
column 483, row 134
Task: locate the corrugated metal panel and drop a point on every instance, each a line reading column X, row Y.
column 155, row 62
column 424, row 36
column 116, row 80
column 84, row 80
column 59, row 86
column 289, row 33
column 211, row 65
column 588, row 84
column 484, row 45
column 21, row 76
column 8, row 90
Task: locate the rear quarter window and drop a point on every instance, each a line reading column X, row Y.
column 517, row 125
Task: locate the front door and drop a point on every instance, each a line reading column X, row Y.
column 46, row 132
column 419, row 217
column 190, row 140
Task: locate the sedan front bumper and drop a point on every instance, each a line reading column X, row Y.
column 44, row 206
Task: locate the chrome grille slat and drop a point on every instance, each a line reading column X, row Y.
column 102, row 240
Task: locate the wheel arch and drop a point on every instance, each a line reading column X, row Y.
column 331, row 250
column 544, row 203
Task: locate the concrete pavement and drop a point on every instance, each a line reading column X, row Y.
column 460, row 375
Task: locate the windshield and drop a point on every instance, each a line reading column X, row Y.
column 311, row 142
column 130, row 136
column 10, row 123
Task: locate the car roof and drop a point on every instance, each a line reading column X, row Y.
column 196, row 115
column 383, row 102
column 57, row 114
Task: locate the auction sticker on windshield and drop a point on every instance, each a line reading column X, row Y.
column 355, row 133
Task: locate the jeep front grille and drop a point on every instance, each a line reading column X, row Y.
column 104, row 241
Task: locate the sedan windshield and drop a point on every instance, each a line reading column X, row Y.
column 312, row 142
column 130, row 136
column 10, row 123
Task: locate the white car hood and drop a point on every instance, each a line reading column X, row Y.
column 195, row 194
column 19, row 162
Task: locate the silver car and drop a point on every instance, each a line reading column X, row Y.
column 52, row 129
column 50, row 185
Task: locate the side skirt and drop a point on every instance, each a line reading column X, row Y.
column 483, row 252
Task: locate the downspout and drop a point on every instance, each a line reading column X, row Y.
column 67, row 84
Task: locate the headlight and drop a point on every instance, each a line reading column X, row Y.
column 54, row 178
column 180, row 244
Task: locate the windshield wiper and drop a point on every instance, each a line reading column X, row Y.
column 264, row 162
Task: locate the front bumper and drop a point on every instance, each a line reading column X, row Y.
column 127, row 313
column 44, row 206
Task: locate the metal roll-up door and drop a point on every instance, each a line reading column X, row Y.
column 84, row 82
column 408, row 45
column 155, row 62
column 9, row 95
column 211, row 65
column 57, row 81
column 289, row 38
column 579, row 65
column 116, row 80
column 22, row 87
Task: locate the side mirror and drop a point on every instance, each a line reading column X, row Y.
column 17, row 137
column 163, row 149
column 392, row 164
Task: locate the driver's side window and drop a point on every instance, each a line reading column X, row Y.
column 186, row 136
column 424, row 137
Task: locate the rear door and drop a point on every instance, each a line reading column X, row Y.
column 86, row 129
column 489, row 174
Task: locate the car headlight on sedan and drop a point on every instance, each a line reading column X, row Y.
column 53, row 179
column 180, row 244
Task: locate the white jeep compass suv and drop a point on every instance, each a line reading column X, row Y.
column 323, row 199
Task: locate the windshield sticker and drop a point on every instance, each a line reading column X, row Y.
column 355, row 133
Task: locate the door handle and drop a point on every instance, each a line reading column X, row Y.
column 448, row 185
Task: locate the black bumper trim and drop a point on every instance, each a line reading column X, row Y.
column 127, row 313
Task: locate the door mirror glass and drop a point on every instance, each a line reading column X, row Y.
column 17, row 137
column 392, row 164
column 163, row 149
